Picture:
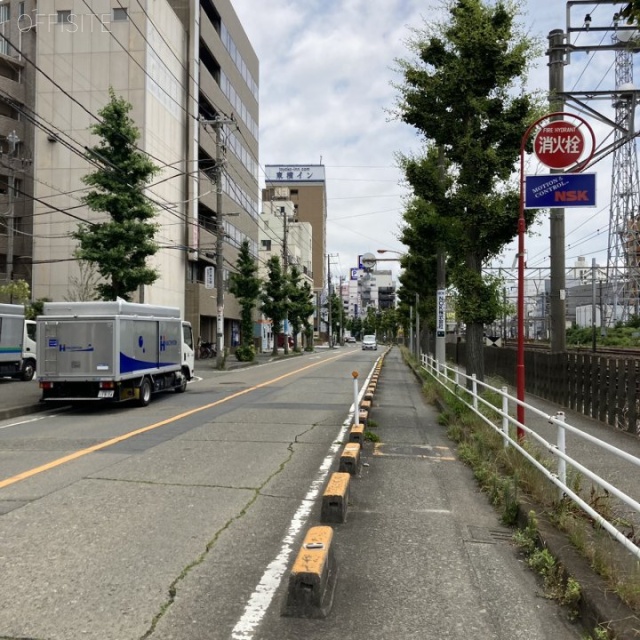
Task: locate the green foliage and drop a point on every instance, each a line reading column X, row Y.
column 119, row 247
column 245, row 285
column 15, row 292
column 274, row 298
column 462, row 92
column 246, row 353
column 631, row 12
column 35, row 309
column 301, row 305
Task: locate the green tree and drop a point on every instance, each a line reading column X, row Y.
column 300, row 304
column 307, row 315
column 462, row 94
column 631, row 12
column 245, row 286
column 120, row 246
column 15, row 292
column 274, row 298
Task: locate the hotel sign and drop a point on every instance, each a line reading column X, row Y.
column 294, row 173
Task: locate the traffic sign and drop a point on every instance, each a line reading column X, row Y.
column 559, row 144
column 560, row 190
column 368, row 261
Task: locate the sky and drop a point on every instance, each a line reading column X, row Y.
column 327, row 75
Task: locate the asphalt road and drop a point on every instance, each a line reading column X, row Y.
column 179, row 520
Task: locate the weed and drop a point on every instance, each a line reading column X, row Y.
column 372, row 437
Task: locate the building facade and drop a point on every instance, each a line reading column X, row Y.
column 17, row 100
column 191, row 76
column 308, row 193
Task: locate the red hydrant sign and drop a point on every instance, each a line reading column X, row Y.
column 559, row 144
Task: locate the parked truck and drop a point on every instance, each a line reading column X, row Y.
column 112, row 351
column 17, row 343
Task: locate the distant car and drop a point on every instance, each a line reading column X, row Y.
column 350, row 339
column 369, row 342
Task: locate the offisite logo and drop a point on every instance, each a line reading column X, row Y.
column 71, row 22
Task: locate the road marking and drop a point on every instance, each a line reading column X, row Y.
column 261, row 598
column 131, row 434
column 17, row 424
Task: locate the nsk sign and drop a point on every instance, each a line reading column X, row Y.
column 562, row 190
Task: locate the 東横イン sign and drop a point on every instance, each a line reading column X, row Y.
column 559, row 144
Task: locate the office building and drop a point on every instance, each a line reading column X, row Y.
column 308, row 192
column 191, row 76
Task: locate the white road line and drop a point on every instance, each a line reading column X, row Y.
column 17, row 424
column 263, row 594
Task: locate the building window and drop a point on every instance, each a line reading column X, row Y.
column 64, row 16
column 4, row 12
column 120, row 14
column 266, row 245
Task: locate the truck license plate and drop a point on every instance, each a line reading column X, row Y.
column 108, row 393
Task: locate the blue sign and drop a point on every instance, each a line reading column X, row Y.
column 560, row 190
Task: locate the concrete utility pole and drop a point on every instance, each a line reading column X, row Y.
column 285, row 265
column 218, row 124
column 13, row 141
column 441, row 286
column 556, row 54
column 329, row 335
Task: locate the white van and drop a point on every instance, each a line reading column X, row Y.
column 369, row 342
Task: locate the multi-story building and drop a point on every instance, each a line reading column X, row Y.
column 17, row 99
column 308, row 193
column 278, row 225
column 191, row 76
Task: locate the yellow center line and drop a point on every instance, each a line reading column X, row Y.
column 126, row 436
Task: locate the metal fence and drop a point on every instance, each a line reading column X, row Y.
column 602, row 387
column 469, row 391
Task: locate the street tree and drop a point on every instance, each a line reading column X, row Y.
column 15, row 292
column 82, row 287
column 307, row 320
column 464, row 94
column 274, row 298
column 120, row 246
column 631, row 12
column 300, row 304
column 245, row 285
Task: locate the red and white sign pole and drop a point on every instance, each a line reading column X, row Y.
column 558, row 144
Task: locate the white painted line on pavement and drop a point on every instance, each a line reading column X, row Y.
column 17, row 424
column 262, row 596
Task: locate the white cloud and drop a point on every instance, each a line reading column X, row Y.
column 326, row 74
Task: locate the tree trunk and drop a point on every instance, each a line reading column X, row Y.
column 475, row 351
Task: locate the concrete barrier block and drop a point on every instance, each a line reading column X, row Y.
column 356, row 434
column 363, row 417
column 335, row 498
column 350, row 458
column 313, row 576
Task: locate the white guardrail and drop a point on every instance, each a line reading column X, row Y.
column 450, row 377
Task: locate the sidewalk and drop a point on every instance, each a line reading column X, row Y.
column 598, row 601
column 422, row 554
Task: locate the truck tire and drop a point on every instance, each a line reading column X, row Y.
column 144, row 396
column 28, row 370
column 182, row 387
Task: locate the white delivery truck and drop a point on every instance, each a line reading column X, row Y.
column 112, row 351
column 17, row 343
